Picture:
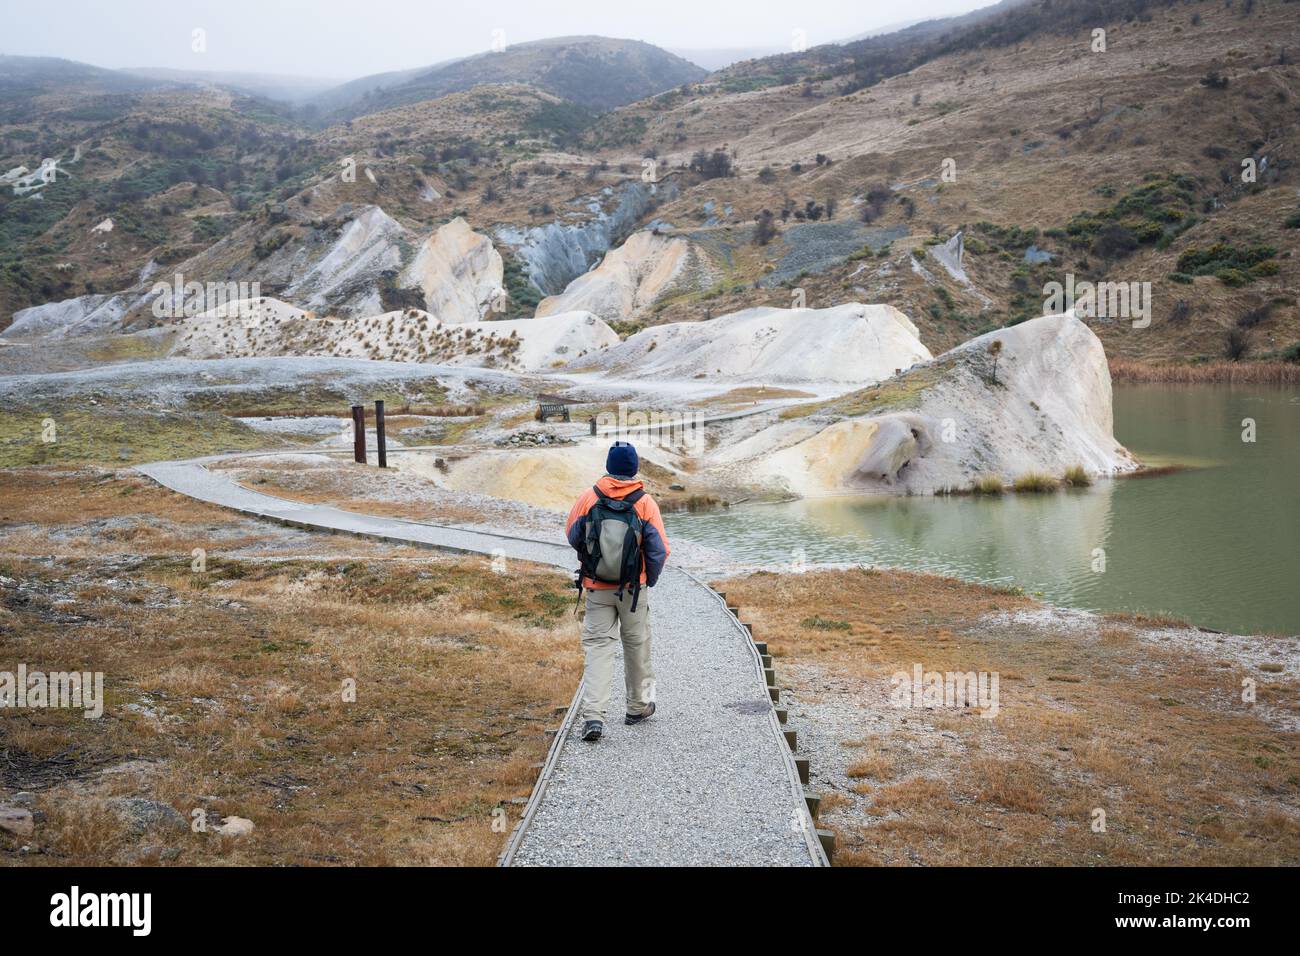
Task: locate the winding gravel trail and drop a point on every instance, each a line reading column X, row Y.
column 707, row 781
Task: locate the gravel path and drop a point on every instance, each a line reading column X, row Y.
column 193, row 479
column 707, row 781
column 700, row 783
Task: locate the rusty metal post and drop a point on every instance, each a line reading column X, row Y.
column 379, row 433
column 359, row 433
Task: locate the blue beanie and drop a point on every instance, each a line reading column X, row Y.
column 622, row 460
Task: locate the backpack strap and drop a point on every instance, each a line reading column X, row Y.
column 631, row 499
column 577, row 583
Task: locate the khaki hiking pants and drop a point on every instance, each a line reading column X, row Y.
column 608, row 619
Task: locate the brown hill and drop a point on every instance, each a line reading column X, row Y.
column 1122, row 165
column 596, row 73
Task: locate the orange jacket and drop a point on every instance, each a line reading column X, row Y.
column 654, row 542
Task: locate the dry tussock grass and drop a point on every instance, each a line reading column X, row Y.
column 235, row 679
column 1156, row 737
column 874, row 764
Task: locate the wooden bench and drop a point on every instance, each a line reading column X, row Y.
column 548, row 409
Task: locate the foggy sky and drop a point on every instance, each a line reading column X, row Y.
column 349, row 38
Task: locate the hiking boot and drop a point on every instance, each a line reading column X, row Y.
column 637, row 718
column 592, row 730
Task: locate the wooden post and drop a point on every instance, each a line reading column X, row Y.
column 359, row 433
column 827, row 838
column 379, row 433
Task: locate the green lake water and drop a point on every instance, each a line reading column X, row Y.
column 1217, row 544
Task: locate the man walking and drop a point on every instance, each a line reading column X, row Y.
column 619, row 535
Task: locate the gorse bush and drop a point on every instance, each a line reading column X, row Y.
column 715, row 165
column 1236, row 344
column 1233, row 265
column 1154, row 213
column 1254, row 317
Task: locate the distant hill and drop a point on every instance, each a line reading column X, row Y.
column 719, row 58
column 36, row 75
column 598, row 73
column 273, row 86
column 37, row 88
column 347, row 97
column 888, row 51
column 882, row 31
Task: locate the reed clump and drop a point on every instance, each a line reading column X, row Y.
column 1128, row 371
column 1035, row 482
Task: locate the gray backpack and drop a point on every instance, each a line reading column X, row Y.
column 611, row 546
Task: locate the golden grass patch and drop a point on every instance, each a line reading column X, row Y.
column 1153, row 735
column 359, row 711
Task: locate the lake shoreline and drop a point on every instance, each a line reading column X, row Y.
column 1202, row 537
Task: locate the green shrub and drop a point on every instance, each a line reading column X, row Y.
column 1155, row 212
column 1232, row 265
column 987, row 485
column 1006, row 238
column 825, row 624
column 269, row 244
